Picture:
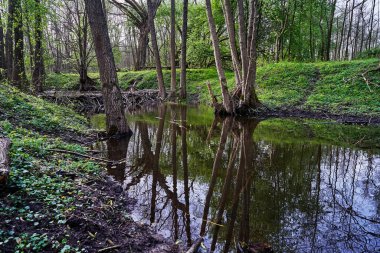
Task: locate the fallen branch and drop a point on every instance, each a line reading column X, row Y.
column 195, row 246
column 109, row 248
column 366, row 79
column 82, row 155
column 5, row 144
column 212, row 95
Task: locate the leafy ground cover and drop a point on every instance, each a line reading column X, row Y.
column 57, row 202
column 326, row 87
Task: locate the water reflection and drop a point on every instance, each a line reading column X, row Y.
column 238, row 186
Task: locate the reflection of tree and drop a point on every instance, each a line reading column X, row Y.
column 227, row 124
column 117, row 150
column 298, row 196
column 242, row 135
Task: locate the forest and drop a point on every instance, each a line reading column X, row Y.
column 189, row 126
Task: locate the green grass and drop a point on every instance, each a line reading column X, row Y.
column 32, row 112
column 333, row 87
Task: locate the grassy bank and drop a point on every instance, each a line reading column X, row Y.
column 56, row 202
column 332, row 87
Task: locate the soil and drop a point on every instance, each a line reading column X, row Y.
column 100, row 223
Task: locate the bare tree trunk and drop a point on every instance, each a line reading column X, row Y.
column 349, row 30
column 160, row 77
column 172, row 51
column 5, row 144
column 184, row 50
column 232, row 38
column 19, row 75
column 2, row 52
column 342, row 30
column 39, row 68
column 142, row 46
column 9, row 40
column 227, row 102
column 113, row 103
column 329, row 30
column 250, row 98
column 371, row 25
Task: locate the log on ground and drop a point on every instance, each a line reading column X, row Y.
column 5, row 144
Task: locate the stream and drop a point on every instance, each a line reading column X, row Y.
column 296, row 185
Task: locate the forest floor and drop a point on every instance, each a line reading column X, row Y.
column 334, row 90
column 57, row 202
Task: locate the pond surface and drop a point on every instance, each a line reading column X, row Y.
column 296, row 185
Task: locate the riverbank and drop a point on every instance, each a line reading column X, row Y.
column 323, row 90
column 56, row 201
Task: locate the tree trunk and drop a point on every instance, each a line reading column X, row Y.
column 115, row 119
column 250, row 98
column 173, row 83
column 227, row 102
column 349, row 30
column 143, row 44
column 9, row 40
column 184, row 50
column 39, row 69
column 339, row 56
column 329, row 31
column 5, row 144
column 371, row 25
column 19, row 75
column 232, row 38
column 2, row 52
column 156, row 51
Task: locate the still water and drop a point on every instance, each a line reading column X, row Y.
column 296, row 185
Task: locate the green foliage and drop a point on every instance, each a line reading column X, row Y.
column 370, row 53
column 334, row 87
column 32, row 112
column 39, row 177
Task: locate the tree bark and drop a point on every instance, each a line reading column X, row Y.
column 227, row 102
column 5, row 144
column 39, row 69
column 2, row 52
column 160, row 77
column 9, row 41
column 329, row 30
column 115, row 119
column 232, row 38
column 371, row 25
column 19, row 75
column 173, row 83
column 184, row 50
column 349, row 30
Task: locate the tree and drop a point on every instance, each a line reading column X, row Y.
column 2, row 49
column 152, row 8
column 9, row 40
column 172, row 50
column 184, row 50
column 138, row 15
column 244, row 97
column 228, row 106
column 116, row 122
column 39, row 68
column 18, row 75
column 330, row 29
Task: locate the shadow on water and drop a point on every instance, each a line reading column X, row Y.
column 298, row 186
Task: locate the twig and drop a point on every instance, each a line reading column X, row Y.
column 81, row 155
column 109, row 248
column 195, row 245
